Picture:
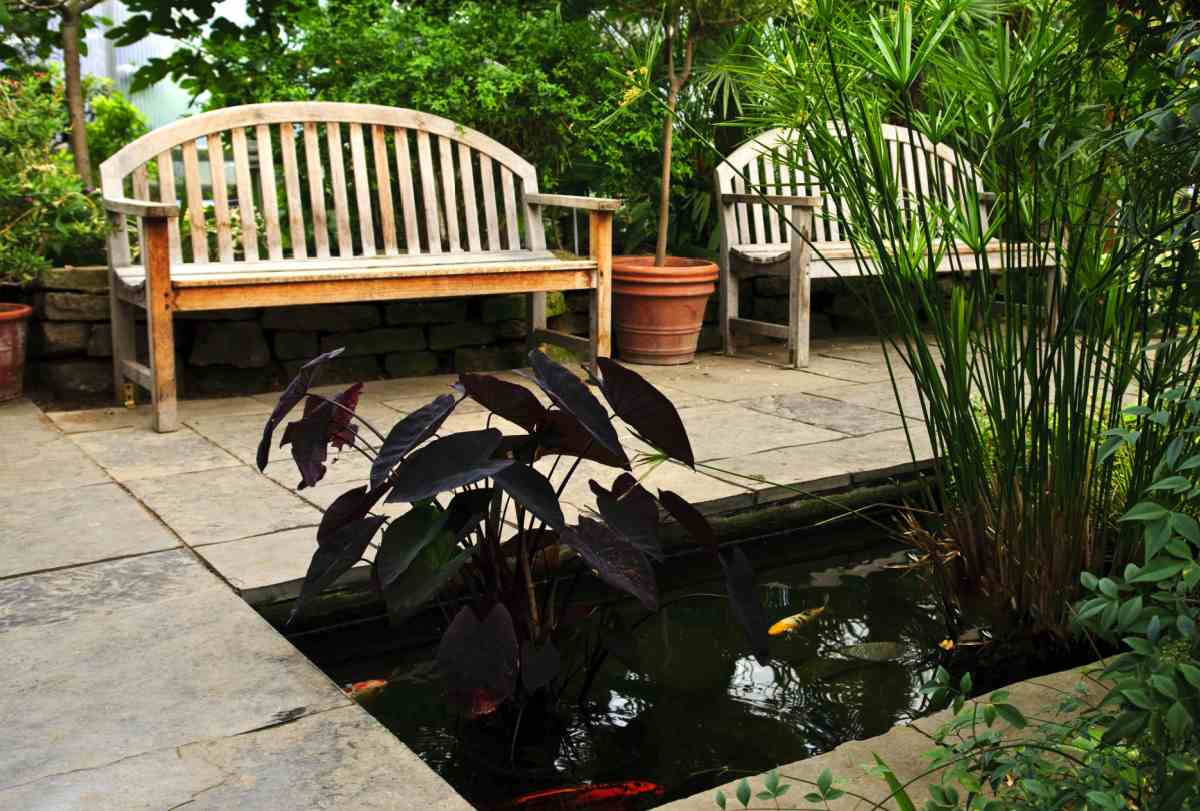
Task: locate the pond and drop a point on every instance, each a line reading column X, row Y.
column 695, row 710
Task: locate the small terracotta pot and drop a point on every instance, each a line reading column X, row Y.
column 13, row 319
column 658, row 311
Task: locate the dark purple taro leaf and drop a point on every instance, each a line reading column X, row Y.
column 309, row 438
column 532, row 491
column 743, row 598
column 517, row 446
column 540, row 664
column 342, row 432
column 292, row 395
column 407, row 434
column 467, row 509
column 564, row 434
column 570, row 394
column 404, row 539
column 631, row 511
column 646, row 410
column 514, row 403
column 693, row 523
column 447, row 463
column 336, row 557
column 350, row 506
column 618, row 562
column 478, row 660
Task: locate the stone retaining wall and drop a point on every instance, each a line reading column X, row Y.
column 255, row 350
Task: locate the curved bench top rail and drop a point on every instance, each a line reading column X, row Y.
column 771, row 140
column 114, row 170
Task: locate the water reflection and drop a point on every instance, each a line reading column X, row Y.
column 698, row 708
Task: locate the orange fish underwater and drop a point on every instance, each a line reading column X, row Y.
column 364, row 689
column 597, row 797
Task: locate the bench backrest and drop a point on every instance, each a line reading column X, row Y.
column 322, row 179
column 768, row 164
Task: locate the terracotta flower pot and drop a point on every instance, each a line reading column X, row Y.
column 13, row 319
column 658, row 311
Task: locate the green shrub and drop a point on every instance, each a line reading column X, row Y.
column 114, row 121
column 45, row 213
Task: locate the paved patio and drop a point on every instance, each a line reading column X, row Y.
column 124, row 552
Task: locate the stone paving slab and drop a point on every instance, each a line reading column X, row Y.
column 32, row 461
column 337, row 759
column 223, row 504
column 722, row 430
column 58, row 528
column 135, row 453
column 825, row 412
column 142, row 416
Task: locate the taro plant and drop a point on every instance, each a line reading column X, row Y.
column 484, row 526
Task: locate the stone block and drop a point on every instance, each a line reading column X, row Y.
column 290, row 345
column 323, row 317
column 236, row 343
column 410, row 364
column 710, row 338
column 712, row 308
column 239, row 314
column 507, row 308
column 60, row 306
column 578, row 301
column 86, row 279
column 772, row 286
column 774, row 310
column 74, row 378
column 427, row 311
column 376, row 341
column 225, row 381
column 573, row 323
column 511, row 330
column 489, row 359
column 452, row 336
column 99, row 343
column 56, row 339
column 341, row 369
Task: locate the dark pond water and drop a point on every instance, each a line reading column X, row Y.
column 699, row 710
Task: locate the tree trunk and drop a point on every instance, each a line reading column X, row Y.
column 73, row 79
column 664, row 196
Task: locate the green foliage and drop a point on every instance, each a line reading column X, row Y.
column 45, row 213
column 114, row 122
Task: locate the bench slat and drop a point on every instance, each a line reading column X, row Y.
column 220, row 195
column 510, row 208
column 408, row 198
column 245, row 193
column 337, row 180
column 270, row 193
column 383, row 179
column 166, row 194
column 316, row 188
column 433, row 231
column 488, row 185
column 756, row 209
column 291, row 183
column 466, row 169
column 449, row 195
column 195, row 202
column 362, row 191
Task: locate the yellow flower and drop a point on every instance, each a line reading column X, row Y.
column 946, row 644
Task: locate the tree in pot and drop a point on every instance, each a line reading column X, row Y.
column 658, row 302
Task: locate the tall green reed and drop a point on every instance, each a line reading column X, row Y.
column 1022, row 374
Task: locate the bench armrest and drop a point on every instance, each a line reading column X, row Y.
column 574, row 201
column 804, row 201
column 139, row 208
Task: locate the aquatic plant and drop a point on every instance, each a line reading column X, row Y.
column 1128, row 736
column 485, row 527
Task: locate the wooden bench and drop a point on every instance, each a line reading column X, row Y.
column 428, row 208
column 756, row 239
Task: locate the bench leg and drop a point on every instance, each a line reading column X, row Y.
column 600, row 229
column 124, row 349
column 799, row 299
column 535, row 317
column 727, row 292
column 159, row 307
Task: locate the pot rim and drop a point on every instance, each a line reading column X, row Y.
column 14, row 312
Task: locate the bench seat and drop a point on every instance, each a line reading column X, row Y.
column 772, row 260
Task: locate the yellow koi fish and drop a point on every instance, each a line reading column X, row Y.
column 789, row 624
